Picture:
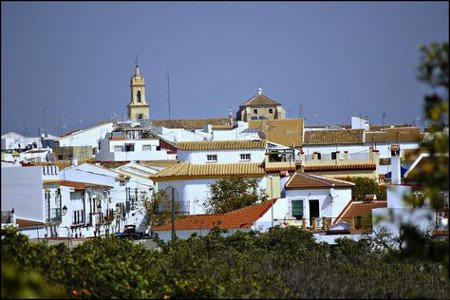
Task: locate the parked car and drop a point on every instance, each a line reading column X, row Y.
column 130, row 232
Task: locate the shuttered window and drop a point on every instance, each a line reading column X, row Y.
column 297, row 209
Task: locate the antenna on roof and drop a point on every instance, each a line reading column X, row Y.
column 27, row 121
column 384, row 115
column 300, row 111
column 61, row 126
column 260, row 91
column 168, row 90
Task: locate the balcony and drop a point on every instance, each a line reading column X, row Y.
column 54, row 216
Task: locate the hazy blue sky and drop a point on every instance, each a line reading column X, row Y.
column 335, row 59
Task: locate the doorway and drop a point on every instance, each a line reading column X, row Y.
column 313, row 211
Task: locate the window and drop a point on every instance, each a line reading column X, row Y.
column 270, row 111
column 60, row 157
column 297, row 209
column 129, row 147
column 78, row 216
column 334, row 155
column 245, row 156
column 117, row 148
column 254, row 118
column 211, row 157
column 140, row 116
column 146, row 147
column 138, row 96
column 255, row 111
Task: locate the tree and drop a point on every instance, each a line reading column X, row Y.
column 364, row 186
column 433, row 70
column 231, row 194
column 159, row 209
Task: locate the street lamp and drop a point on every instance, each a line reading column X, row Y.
column 64, row 210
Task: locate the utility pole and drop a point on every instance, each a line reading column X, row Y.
column 174, row 236
column 168, row 90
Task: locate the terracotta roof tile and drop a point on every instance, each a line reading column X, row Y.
column 394, row 135
column 286, row 132
column 359, row 209
column 28, row 223
column 187, row 170
column 241, row 218
column 222, row 145
column 334, row 136
column 308, row 181
column 260, row 100
column 77, row 185
column 191, row 123
column 347, row 167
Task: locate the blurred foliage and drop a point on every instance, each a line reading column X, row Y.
column 281, row 263
column 433, row 172
column 230, row 194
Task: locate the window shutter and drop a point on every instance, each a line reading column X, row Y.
column 297, row 208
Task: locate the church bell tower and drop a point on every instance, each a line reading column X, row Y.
column 138, row 107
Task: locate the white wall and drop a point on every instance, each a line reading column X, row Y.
column 328, row 207
column 223, row 156
column 384, row 151
column 22, row 190
column 196, row 191
column 393, row 218
column 86, row 137
column 107, row 150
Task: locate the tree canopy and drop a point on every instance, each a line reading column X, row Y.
column 231, row 194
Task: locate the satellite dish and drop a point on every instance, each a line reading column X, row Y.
column 333, row 193
column 262, row 135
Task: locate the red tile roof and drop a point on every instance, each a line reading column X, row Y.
column 358, row 209
column 77, row 185
column 241, row 218
column 308, row 181
column 340, row 167
column 28, row 223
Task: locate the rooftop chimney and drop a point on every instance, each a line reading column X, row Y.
column 395, row 164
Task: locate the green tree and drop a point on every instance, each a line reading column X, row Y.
column 231, row 194
column 433, row 176
column 364, row 186
column 159, row 209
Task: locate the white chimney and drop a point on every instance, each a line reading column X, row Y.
column 396, row 176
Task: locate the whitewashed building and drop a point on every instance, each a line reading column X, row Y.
column 47, row 206
column 134, row 144
column 86, row 137
column 204, row 163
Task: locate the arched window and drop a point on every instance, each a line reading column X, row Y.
column 138, row 96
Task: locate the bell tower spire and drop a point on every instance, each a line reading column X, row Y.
column 138, row 107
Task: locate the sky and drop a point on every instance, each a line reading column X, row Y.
column 67, row 65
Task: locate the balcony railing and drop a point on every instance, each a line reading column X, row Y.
column 55, row 215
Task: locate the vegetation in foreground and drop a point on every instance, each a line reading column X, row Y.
column 281, row 263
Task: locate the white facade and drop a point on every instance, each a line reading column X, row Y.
column 132, row 149
column 192, row 194
column 360, row 123
column 398, row 213
column 86, row 137
column 12, row 140
column 175, row 135
column 329, row 206
column 132, row 190
column 223, row 156
column 240, row 132
column 22, row 190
